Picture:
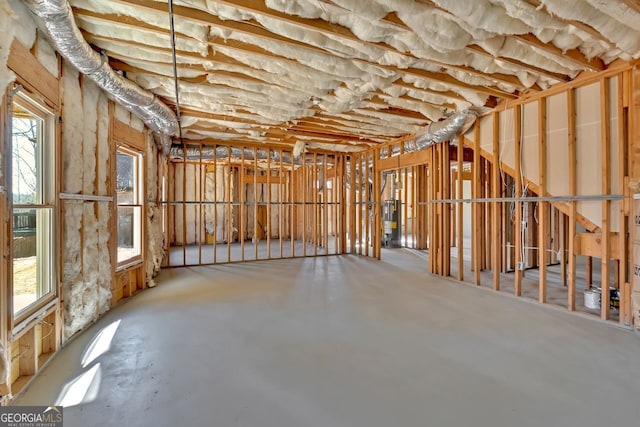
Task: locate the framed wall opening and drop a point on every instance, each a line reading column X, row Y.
column 230, row 203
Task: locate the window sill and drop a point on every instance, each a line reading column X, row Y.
column 135, row 262
column 24, row 322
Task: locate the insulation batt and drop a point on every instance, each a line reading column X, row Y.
column 335, row 82
column 87, row 264
column 155, row 235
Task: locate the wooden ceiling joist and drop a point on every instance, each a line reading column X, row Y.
column 324, row 27
column 573, row 55
column 529, row 39
column 216, row 56
column 205, row 18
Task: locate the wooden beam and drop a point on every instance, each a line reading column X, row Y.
column 592, row 245
column 633, row 4
column 393, row 19
column 446, row 209
column 623, row 161
column 518, row 63
column 477, row 226
column 496, row 187
column 605, row 158
column 205, row 18
column 352, row 204
column 32, row 74
column 215, row 57
column 333, row 30
column 580, row 25
column 543, row 216
column 573, row 55
column 571, row 104
column 519, row 244
column 460, row 213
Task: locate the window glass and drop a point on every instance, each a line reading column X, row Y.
column 31, row 162
column 128, row 182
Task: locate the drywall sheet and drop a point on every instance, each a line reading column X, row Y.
column 589, row 150
column 486, row 133
column 507, row 141
column 529, row 156
column 470, row 135
column 557, row 145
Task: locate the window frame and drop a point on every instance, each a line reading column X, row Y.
column 46, row 159
column 139, row 203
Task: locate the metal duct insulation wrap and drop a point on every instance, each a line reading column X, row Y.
column 446, row 130
column 222, row 152
column 63, row 32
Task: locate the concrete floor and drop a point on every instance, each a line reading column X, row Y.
column 557, row 293
column 340, row 341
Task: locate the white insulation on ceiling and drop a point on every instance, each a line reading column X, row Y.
column 298, row 72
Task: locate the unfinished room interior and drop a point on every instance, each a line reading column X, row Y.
column 321, row 212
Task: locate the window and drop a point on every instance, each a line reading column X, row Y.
column 33, row 194
column 129, row 194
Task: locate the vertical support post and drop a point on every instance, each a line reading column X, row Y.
column 495, row 187
column 476, row 225
column 375, row 235
column 255, row 203
column 446, row 223
column 459, row 208
column 292, row 208
column 623, row 158
column 267, row 226
column 405, row 205
column 229, row 206
column 325, row 206
column 184, row 207
column 305, row 187
column 281, row 192
column 352, row 204
column 519, row 230
column 571, row 297
column 543, row 216
column 200, row 180
column 415, row 210
column 242, row 193
column 215, row 205
column 367, row 205
column 606, row 189
column 314, row 185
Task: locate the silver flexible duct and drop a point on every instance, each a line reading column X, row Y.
column 57, row 19
column 222, row 152
column 446, row 130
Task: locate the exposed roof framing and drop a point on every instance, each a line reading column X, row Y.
column 346, row 74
